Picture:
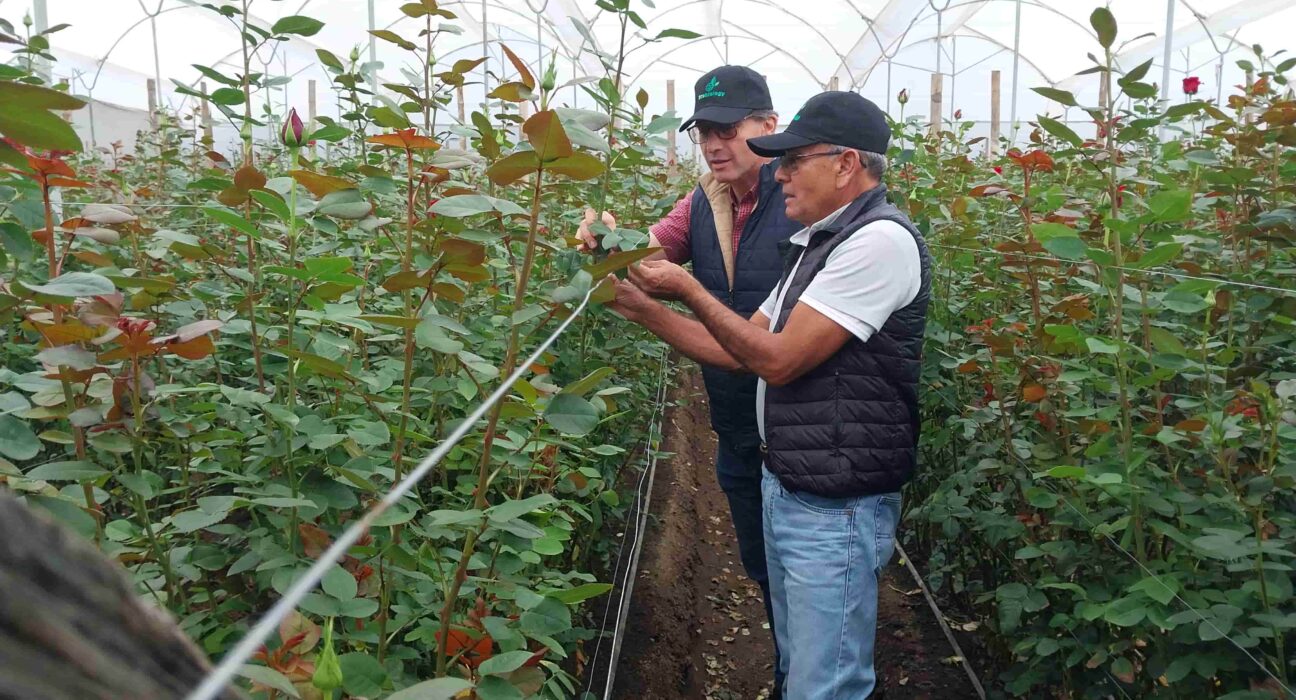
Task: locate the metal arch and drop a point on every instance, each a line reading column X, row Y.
column 755, row 37
column 690, row 42
column 968, row 33
column 1245, row 8
column 773, row 6
column 474, row 23
column 101, row 61
column 497, row 40
column 860, row 42
column 1033, row 3
column 548, row 26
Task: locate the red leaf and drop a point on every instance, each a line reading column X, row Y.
column 475, row 651
column 314, row 539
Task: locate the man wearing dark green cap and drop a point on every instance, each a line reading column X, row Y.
column 838, row 347
column 730, row 227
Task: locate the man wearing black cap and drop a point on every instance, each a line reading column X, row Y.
column 837, row 346
column 730, row 226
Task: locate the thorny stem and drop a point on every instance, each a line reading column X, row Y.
column 483, row 466
column 137, row 407
column 1118, row 302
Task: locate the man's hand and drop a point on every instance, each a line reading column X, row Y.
column 631, row 302
column 589, row 242
column 662, row 279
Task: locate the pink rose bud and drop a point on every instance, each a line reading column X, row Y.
column 293, row 130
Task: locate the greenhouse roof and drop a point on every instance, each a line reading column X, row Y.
column 877, row 47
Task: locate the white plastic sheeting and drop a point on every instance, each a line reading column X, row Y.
column 876, row 47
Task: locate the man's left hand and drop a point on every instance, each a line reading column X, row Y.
column 662, row 279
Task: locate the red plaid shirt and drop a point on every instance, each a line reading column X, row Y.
column 673, row 232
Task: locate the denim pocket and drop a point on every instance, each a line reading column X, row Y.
column 886, row 519
column 824, row 504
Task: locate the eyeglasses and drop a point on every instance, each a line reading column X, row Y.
column 701, row 131
column 790, row 163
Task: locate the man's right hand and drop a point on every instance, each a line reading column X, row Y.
column 589, row 242
column 631, row 302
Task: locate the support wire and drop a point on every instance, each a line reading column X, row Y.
column 219, row 678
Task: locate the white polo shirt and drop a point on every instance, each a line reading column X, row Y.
column 869, row 276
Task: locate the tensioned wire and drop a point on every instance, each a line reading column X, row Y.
column 219, row 678
column 627, row 583
column 1205, row 619
column 1114, row 543
column 230, row 664
column 990, row 251
column 1092, row 526
column 1132, row 270
column 634, row 512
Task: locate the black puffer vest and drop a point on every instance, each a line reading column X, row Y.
column 849, row 427
column 757, row 267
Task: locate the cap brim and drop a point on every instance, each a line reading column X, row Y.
column 717, row 114
column 776, row 145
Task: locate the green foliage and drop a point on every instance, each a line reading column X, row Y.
column 29, row 116
column 1109, row 446
column 213, row 382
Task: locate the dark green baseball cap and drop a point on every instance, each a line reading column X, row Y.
column 727, row 95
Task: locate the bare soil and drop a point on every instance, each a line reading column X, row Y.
column 697, row 628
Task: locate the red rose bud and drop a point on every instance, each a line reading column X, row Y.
column 958, row 114
column 903, row 97
column 1191, row 85
column 998, row 170
column 293, row 130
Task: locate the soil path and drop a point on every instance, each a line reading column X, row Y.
column 697, row 627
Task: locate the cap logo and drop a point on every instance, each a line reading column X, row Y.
column 710, row 89
column 796, row 118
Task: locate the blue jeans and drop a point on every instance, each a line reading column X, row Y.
column 824, row 556
column 739, row 475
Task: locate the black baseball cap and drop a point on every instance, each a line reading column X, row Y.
column 839, row 118
column 727, row 95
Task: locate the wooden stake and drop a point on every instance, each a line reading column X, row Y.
column 207, row 139
column 152, row 102
column 1102, row 92
column 463, row 121
column 834, row 83
column 310, row 112
column 670, row 135
column 993, row 146
column 937, row 81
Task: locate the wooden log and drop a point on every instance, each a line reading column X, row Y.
column 72, row 627
column 993, row 146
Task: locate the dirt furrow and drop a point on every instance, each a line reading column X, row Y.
column 697, row 627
